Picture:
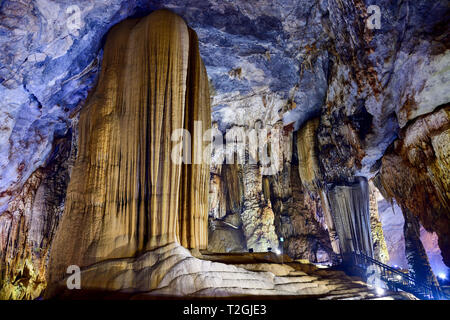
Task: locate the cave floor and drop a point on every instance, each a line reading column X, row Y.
column 341, row 286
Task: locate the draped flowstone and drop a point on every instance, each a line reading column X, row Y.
column 307, row 155
column 350, row 207
column 126, row 195
column 310, row 173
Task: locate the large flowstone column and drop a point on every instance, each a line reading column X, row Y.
column 126, row 194
column 350, row 206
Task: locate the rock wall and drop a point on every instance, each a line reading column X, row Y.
column 275, row 203
column 29, row 225
column 392, row 222
column 419, row 265
column 422, row 150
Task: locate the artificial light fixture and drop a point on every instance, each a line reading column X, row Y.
column 380, row 291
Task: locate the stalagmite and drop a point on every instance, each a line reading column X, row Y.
column 350, row 207
column 126, row 195
column 257, row 220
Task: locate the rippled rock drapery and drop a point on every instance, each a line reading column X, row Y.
column 350, row 205
column 126, row 195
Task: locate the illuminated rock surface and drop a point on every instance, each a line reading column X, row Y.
column 392, row 220
column 267, row 61
column 126, row 196
column 172, row 271
column 423, row 152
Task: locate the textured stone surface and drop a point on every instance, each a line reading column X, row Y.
column 422, row 152
column 271, row 205
column 172, row 271
column 380, row 251
column 267, row 60
column 47, row 66
column 125, row 195
column 351, row 215
column 392, row 222
column 299, row 218
column 418, row 263
column 373, row 87
column 29, row 225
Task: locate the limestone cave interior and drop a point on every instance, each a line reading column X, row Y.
column 291, row 149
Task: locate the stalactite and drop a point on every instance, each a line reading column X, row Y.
column 350, row 208
column 334, row 240
column 295, row 218
column 226, row 189
column 125, row 190
column 233, row 186
column 416, row 255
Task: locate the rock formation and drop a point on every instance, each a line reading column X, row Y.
column 172, row 271
column 392, row 221
column 126, row 195
column 29, row 226
column 346, row 104
column 269, row 199
column 352, row 217
column 380, row 250
column 422, row 151
column 415, row 252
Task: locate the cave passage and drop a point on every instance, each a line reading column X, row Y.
column 231, row 150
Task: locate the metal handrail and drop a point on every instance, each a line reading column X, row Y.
column 408, row 283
